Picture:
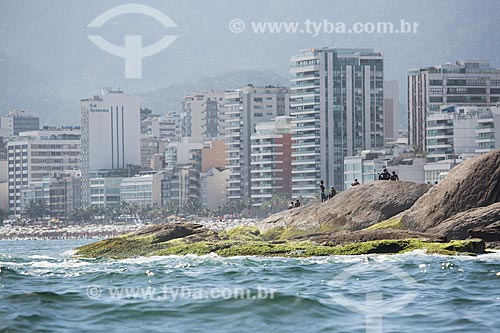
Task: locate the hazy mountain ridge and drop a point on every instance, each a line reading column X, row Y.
column 169, row 98
column 64, row 66
column 21, row 87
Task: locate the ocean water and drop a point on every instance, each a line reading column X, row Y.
column 44, row 289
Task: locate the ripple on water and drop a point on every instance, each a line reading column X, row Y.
column 43, row 289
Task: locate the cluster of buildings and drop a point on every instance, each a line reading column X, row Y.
column 337, row 121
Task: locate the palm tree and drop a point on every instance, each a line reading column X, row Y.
column 3, row 215
column 36, row 209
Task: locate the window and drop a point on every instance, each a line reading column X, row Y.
column 436, row 99
column 435, row 82
column 435, row 91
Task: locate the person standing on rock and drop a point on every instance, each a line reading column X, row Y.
column 322, row 189
column 394, row 176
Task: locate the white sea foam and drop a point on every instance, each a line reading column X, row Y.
column 59, row 264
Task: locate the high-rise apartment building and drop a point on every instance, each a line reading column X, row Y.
column 337, row 102
column 271, row 164
column 243, row 109
column 38, row 154
column 111, row 134
column 201, row 115
column 20, row 121
column 473, row 83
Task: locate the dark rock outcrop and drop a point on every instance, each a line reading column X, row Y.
column 167, row 231
column 490, row 233
column 354, row 209
column 469, row 223
column 472, row 184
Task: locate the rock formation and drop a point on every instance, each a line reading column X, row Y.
column 468, row 223
column 379, row 217
column 354, row 209
column 472, row 184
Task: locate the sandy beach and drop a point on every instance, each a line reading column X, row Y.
column 95, row 230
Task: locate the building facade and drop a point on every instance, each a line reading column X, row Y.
column 144, row 189
column 456, row 132
column 38, row 154
column 271, row 160
column 105, row 188
column 410, row 169
column 150, row 147
column 213, row 186
column 201, row 115
column 243, row 109
column 338, row 103
column 434, row 172
column 181, row 183
column 166, row 127
column 60, row 192
column 213, row 155
column 111, row 134
column 17, row 121
column 488, row 131
column 473, row 83
column 391, row 111
column 365, row 167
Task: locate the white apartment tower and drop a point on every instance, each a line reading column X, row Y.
column 337, row 104
column 111, row 134
column 201, row 115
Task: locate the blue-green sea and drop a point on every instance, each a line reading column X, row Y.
column 44, row 289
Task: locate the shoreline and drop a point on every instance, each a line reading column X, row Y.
column 101, row 231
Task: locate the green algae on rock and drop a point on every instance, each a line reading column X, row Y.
column 230, row 243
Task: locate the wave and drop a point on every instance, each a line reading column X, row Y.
column 6, row 273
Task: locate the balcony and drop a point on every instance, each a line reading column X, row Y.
column 485, row 130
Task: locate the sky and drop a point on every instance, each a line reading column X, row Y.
column 48, row 63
